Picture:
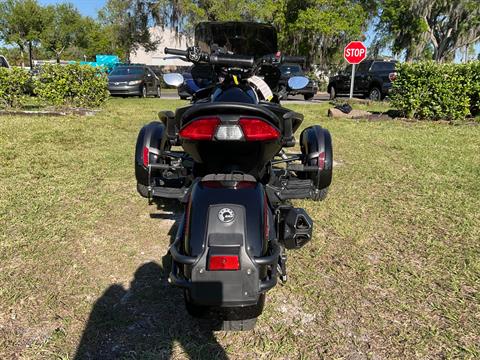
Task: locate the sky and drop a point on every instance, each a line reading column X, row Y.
column 86, row 7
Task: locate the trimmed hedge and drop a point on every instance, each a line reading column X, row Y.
column 435, row 91
column 13, row 85
column 72, row 85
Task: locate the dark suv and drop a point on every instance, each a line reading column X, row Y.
column 373, row 78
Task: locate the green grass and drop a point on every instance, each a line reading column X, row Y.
column 393, row 270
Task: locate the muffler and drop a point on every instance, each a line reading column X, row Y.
column 298, row 227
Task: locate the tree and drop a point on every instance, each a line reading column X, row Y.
column 21, row 23
column 319, row 29
column 95, row 38
column 423, row 27
column 62, row 29
column 129, row 22
column 450, row 25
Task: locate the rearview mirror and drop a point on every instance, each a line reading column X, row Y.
column 298, row 82
column 173, row 79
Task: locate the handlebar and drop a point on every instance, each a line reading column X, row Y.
column 176, row 52
column 195, row 55
column 234, row 60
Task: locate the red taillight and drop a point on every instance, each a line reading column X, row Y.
column 146, row 155
column 223, row 262
column 201, row 129
column 392, row 76
column 258, row 130
column 321, row 160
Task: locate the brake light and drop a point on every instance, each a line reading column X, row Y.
column 392, row 76
column 223, row 262
column 146, row 155
column 321, row 160
column 201, row 129
column 258, row 130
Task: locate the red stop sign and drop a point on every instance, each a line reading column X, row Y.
column 355, row 52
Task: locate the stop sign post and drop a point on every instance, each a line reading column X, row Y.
column 355, row 52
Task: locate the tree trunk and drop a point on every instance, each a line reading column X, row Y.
column 30, row 57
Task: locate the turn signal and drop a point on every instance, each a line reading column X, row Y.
column 223, row 262
column 258, row 130
column 201, row 129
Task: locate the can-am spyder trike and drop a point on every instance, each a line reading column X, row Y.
column 233, row 176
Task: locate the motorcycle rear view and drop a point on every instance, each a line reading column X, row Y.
column 234, row 178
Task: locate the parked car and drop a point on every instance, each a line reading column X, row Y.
column 3, row 62
column 373, row 79
column 134, row 80
column 289, row 70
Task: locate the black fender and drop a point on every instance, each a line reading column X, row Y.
column 208, row 194
column 317, row 150
column 247, row 232
column 151, row 142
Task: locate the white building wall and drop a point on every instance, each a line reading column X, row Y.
column 166, row 38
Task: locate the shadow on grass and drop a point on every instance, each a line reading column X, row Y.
column 146, row 321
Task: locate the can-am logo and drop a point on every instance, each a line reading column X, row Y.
column 226, row 215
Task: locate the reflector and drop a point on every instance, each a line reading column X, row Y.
column 258, row 130
column 223, row 262
column 146, row 155
column 201, row 129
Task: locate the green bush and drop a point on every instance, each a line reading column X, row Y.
column 72, row 85
column 434, row 91
column 473, row 91
column 13, row 85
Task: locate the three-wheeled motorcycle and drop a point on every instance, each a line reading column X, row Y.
column 223, row 156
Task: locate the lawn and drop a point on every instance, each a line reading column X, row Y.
column 393, row 270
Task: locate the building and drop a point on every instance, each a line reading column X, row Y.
column 166, row 38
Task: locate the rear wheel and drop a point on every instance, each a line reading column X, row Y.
column 203, row 314
column 142, row 190
column 238, row 325
column 375, row 94
column 321, row 195
column 332, row 93
column 143, row 92
column 308, row 96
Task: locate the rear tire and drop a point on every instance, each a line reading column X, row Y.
column 238, row 325
column 332, row 93
column 308, row 97
column 321, row 195
column 375, row 94
column 143, row 92
column 142, row 190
